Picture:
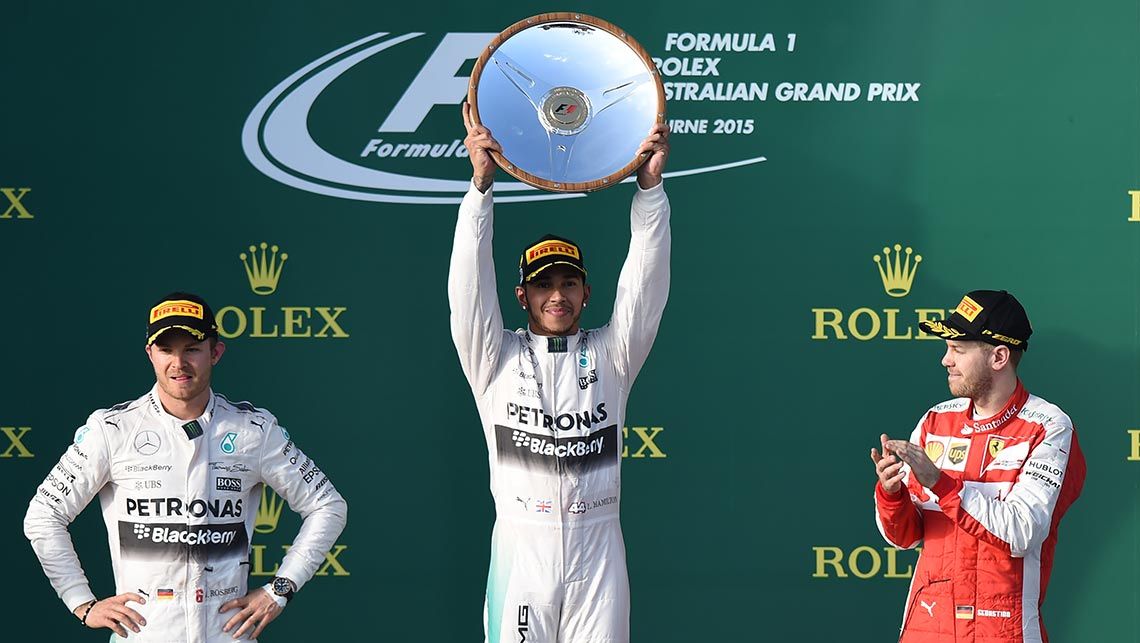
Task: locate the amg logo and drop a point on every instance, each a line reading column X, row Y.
column 228, row 484
column 524, row 622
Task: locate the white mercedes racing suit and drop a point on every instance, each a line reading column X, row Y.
column 552, row 410
column 179, row 500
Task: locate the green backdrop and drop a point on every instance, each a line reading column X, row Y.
column 145, row 147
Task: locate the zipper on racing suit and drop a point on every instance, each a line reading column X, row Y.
column 559, row 465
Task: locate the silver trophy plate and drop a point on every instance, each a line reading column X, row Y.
column 570, row 97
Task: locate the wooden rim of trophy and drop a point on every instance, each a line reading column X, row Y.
column 564, row 17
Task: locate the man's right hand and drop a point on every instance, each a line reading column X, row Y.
column 888, row 466
column 478, row 142
column 113, row 614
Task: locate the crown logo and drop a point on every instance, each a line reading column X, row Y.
column 265, row 270
column 268, row 512
column 897, row 275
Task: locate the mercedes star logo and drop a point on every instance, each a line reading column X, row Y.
column 147, row 442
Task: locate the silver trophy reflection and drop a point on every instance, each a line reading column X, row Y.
column 570, row 97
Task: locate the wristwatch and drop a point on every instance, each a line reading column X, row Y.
column 281, row 589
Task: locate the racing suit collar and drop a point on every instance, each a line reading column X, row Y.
column 156, row 406
column 549, row 344
column 1012, row 408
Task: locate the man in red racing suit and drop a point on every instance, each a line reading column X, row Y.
column 981, row 485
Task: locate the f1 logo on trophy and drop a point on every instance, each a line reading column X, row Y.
column 569, row 97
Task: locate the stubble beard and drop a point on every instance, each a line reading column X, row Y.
column 974, row 387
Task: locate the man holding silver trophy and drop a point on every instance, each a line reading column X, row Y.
column 569, row 95
column 551, row 399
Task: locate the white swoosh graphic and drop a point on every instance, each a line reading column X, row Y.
column 287, row 142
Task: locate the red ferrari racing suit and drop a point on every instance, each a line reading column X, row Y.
column 988, row 527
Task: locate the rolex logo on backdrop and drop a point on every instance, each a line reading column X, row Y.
column 268, row 512
column 265, row 523
column 263, row 265
column 1135, row 194
column 14, row 442
column 1134, row 445
column 642, row 442
column 863, row 562
column 897, row 267
column 898, row 276
column 263, row 275
column 14, row 204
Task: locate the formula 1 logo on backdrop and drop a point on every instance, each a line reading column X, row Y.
column 397, row 162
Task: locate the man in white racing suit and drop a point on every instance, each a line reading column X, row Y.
column 179, row 473
column 552, row 399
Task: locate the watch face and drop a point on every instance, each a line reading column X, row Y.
column 282, row 586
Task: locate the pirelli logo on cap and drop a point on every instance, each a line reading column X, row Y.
column 552, row 248
column 180, row 308
column 968, row 308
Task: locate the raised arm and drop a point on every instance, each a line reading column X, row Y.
column 643, row 285
column 476, row 321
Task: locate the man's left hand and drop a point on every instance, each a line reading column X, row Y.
column 257, row 609
column 921, row 467
column 656, row 145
